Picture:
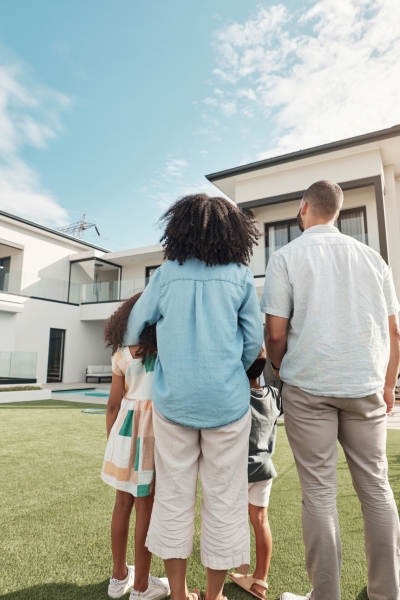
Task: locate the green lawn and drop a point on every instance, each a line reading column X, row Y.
column 55, row 511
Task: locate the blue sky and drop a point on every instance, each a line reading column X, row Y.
column 115, row 108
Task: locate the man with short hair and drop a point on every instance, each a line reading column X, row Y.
column 332, row 332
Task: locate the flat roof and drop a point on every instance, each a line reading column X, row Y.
column 366, row 138
column 71, row 238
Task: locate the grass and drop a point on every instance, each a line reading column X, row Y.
column 55, row 511
column 20, row 388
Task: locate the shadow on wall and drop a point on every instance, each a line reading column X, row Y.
column 362, row 595
column 61, row 591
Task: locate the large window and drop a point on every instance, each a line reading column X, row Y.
column 94, row 280
column 352, row 222
column 278, row 235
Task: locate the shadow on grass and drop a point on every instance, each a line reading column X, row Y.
column 362, row 595
column 60, row 591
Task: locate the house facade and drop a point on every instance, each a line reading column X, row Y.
column 367, row 168
column 56, row 291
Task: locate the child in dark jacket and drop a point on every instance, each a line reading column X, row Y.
column 265, row 405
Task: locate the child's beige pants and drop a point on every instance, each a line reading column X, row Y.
column 220, row 457
column 313, row 425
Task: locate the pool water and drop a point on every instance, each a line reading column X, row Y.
column 85, row 392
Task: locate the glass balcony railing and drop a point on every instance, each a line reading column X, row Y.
column 110, row 291
column 34, row 286
column 17, row 365
column 59, row 290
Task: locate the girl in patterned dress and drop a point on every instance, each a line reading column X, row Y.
column 129, row 457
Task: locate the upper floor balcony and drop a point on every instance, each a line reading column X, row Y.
column 30, row 285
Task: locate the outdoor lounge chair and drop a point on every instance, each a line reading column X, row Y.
column 100, row 373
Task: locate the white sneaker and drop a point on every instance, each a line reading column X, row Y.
column 158, row 589
column 119, row 587
column 289, row 596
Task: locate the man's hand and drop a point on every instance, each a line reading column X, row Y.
column 388, row 396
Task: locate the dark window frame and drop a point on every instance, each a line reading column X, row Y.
column 62, row 354
column 9, row 269
column 287, row 222
column 362, row 209
column 147, row 272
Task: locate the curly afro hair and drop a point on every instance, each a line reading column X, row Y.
column 212, row 230
column 117, row 324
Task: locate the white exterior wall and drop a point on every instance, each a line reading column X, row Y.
column 84, row 343
column 15, row 254
column 133, row 278
column 44, row 254
column 8, row 324
column 299, row 175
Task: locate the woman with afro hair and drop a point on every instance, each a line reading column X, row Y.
column 209, row 331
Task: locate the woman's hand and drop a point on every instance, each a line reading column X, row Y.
column 114, row 401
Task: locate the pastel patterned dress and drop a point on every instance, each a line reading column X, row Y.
column 129, row 458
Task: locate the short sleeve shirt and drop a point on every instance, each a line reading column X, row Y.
column 337, row 294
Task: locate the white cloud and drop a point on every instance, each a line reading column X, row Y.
column 174, row 168
column 228, row 108
column 316, row 75
column 29, row 116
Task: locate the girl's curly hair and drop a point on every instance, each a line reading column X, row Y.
column 117, row 324
column 213, row 230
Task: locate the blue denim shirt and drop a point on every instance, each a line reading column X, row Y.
column 209, row 331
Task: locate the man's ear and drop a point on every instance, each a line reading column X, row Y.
column 303, row 207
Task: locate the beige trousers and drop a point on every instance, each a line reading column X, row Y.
column 220, row 457
column 313, row 425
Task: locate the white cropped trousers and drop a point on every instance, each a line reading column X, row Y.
column 220, row 457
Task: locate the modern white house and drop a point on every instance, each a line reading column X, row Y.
column 366, row 167
column 56, row 291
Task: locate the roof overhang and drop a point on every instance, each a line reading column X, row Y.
column 134, row 256
column 383, row 140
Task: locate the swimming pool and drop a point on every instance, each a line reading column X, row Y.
column 85, row 392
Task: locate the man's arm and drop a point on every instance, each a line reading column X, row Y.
column 275, row 332
column 394, row 363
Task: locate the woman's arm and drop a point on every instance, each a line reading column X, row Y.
column 251, row 323
column 114, row 401
column 145, row 312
